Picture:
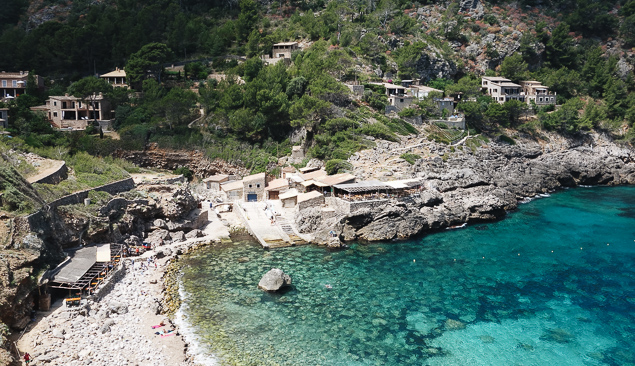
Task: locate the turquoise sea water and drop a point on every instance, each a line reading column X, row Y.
column 552, row 284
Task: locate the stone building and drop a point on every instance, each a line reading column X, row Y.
column 537, row 92
column 13, row 84
column 71, row 112
column 502, row 89
column 281, row 52
column 214, row 182
column 284, row 49
column 233, row 189
column 288, row 171
column 276, row 187
column 290, row 198
column 254, row 187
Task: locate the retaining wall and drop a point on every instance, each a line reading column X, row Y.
column 344, row 207
column 79, row 197
column 57, row 176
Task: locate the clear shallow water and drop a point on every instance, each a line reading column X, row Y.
column 541, row 287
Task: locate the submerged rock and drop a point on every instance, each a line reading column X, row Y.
column 557, row 335
column 274, row 280
column 452, row 324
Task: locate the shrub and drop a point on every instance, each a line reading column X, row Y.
column 506, row 139
column 410, row 158
column 187, row 173
column 334, row 166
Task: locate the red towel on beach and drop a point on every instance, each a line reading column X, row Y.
column 156, row 326
column 167, row 335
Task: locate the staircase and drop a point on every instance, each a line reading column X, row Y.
column 288, row 229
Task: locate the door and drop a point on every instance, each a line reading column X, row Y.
column 273, row 195
column 252, row 197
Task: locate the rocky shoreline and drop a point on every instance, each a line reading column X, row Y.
column 464, row 185
column 117, row 329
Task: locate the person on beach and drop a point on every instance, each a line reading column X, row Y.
column 27, row 358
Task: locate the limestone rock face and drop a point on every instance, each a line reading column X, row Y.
column 471, row 185
column 274, row 280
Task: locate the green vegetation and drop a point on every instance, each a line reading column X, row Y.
column 335, row 166
column 410, row 158
column 187, row 173
column 248, row 117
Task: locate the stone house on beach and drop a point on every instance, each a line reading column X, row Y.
column 276, row 187
column 254, row 187
column 214, row 182
column 233, row 189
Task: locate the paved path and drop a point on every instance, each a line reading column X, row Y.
column 269, row 235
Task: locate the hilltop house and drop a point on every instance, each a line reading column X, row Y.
column 281, row 51
column 13, row 84
column 537, row 92
column 70, row 112
column 502, row 89
column 116, row 78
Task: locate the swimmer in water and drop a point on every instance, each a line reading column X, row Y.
column 328, row 286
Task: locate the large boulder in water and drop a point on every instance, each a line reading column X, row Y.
column 274, row 280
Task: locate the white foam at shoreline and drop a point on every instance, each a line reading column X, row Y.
column 200, row 355
column 529, row 199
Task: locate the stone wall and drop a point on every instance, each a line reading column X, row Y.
column 115, row 276
column 313, row 202
column 370, row 204
column 54, row 178
column 341, row 207
column 344, row 207
column 79, row 197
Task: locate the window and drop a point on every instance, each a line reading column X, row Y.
column 4, row 83
column 258, row 185
column 54, row 103
column 54, row 114
column 15, row 83
column 400, row 100
column 540, row 99
column 250, row 186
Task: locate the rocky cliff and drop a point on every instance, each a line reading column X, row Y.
column 34, row 243
column 469, row 186
column 193, row 160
